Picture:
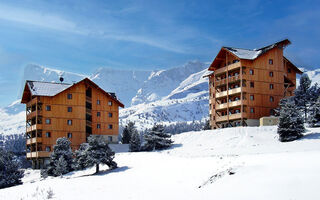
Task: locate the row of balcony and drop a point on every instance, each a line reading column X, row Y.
column 37, row 154
column 230, row 79
column 34, row 127
column 231, row 117
column 230, row 92
column 227, row 68
column 230, row 104
column 34, row 140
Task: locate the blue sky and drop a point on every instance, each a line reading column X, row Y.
column 80, row 36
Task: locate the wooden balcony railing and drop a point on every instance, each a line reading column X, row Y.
column 38, row 154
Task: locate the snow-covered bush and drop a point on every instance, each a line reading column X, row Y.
column 79, row 162
column 135, row 142
column 10, row 174
column 291, row 124
column 127, row 133
column 157, row 139
column 314, row 114
column 60, row 159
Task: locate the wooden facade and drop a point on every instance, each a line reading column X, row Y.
column 80, row 110
column 246, row 85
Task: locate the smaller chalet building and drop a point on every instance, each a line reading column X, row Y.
column 74, row 111
column 247, row 84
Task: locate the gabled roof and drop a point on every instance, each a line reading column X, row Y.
column 39, row 88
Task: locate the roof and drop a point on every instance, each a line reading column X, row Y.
column 39, row 88
column 244, row 53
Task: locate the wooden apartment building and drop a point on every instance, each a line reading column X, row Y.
column 246, row 85
column 74, row 111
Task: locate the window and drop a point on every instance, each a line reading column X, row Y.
column 271, row 86
column 110, row 138
column 48, row 149
column 110, row 103
column 251, row 97
column 270, row 62
column 98, row 114
column 289, row 70
column 110, row 126
column 69, row 135
column 69, row 122
column 251, row 110
column 48, row 121
column 48, row 108
column 98, row 102
column 271, row 112
column 48, row 134
column 110, row 114
column 98, row 126
column 271, row 99
column 69, row 96
column 252, row 84
column 271, row 74
column 69, row 109
column 251, row 72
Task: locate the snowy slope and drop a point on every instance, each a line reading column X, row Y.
column 233, row 163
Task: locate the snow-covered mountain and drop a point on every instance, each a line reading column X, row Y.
column 177, row 94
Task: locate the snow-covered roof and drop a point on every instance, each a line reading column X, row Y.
column 38, row 88
column 244, row 53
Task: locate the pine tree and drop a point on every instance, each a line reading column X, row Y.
column 10, row 174
column 135, row 142
column 207, row 125
column 291, row 124
column 302, row 95
column 127, row 132
column 314, row 114
column 99, row 152
column 80, row 157
column 60, row 167
column 61, row 149
column 157, row 139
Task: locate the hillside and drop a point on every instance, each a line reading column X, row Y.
column 233, row 163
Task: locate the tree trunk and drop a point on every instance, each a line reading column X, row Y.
column 97, row 168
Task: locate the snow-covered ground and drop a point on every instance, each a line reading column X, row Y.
column 234, row 163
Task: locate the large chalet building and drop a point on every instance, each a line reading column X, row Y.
column 246, row 85
column 74, row 111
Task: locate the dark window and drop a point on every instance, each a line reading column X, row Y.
column 252, row 84
column 252, row 97
column 271, row 112
column 110, row 114
column 98, row 125
column 110, row 103
column 110, row 138
column 48, row 108
column 271, row 86
column 110, row 126
column 69, row 96
column 98, row 114
column 69, row 122
column 48, row 134
column 251, row 110
column 270, row 62
column 48, row 121
column 98, row 102
column 69, row 135
column 48, row 149
column 69, row 109
column 251, row 72
column 289, row 70
column 271, row 74
column 271, row 99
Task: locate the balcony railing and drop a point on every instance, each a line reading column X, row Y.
column 34, row 127
column 231, row 117
column 37, row 154
column 34, row 140
column 229, row 67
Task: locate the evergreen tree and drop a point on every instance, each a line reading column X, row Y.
column 99, row 152
column 302, row 95
column 314, row 114
column 157, row 139
column 291, row 124
column 207, row 125
column 10, row 174
column 127, row 132
column 80, row 157
column 61, row 149
column 135, row 142
column 60, row 167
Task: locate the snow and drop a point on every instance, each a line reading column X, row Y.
column 46, row 88
column 233, row 163
column 244, row 53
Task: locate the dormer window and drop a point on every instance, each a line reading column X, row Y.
column 69, row 96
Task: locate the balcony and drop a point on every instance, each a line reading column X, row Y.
column 221, row 106
column 221, row 82
column 237, row 103
column 33, row 114
column 88, row 99
column 38, row 154
column 237, row 90
column 221, row 94
column 34, row 127
column 34, row 140
column 231, row 117
column 228, row 67
column 222, row 118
